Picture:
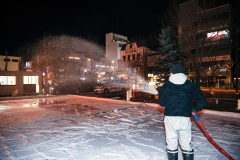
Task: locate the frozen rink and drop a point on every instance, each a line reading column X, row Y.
column 76, row 127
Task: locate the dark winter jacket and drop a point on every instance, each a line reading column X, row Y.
column 178, row 98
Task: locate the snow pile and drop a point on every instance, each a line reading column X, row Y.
column 2, row 107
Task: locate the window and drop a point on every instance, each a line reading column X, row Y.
column 14, row 60
column 124, row 58
column 7, row 80
column 130, row 45
column 6, row 59
column 11, row 80
column 3, row 80
column 30, row 79
column 133, row 57
column 138, row 56
column 128, row 57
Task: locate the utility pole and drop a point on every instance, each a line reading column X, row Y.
column 6, row 61
column 236, row 60
column 46, row 67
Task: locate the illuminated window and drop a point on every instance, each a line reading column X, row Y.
column 30, row 79
column 11, row 80
column 7, row 80
column 74, row 58
column 33, row 79
column 25, row 79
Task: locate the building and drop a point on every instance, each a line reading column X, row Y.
column 206, row 36
column 12, row 79
column 114, row 44
column 139, row 60
column 9, row 63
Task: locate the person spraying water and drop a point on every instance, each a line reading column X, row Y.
column 177, row 97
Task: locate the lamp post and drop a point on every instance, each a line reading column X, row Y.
column 89, row 59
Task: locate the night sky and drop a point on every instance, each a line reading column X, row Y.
column 25, row 22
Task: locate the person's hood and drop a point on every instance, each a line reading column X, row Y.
column 178, row 78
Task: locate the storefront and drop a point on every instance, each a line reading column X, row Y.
column 24, row 82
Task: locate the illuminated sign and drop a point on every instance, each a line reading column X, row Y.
column 217, row 34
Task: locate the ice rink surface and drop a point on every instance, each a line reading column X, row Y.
column 76, row 127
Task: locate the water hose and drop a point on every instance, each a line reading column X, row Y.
column 209, row 138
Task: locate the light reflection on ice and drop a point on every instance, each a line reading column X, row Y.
column 2, row 107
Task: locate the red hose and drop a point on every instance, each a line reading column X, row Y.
column 210, row 138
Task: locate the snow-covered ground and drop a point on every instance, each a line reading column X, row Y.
column 77, row 127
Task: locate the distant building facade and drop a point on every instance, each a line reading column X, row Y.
column 9, row 63
column 206, row 37
column 114, row 44
column 12, row 79
column 139, row 59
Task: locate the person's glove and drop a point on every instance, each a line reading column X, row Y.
column 194, row 111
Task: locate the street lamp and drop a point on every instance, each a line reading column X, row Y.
column 89, row 59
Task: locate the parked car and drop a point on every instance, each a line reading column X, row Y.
column 72, row 87
column 106, row 86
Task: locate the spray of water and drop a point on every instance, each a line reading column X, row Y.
column 138, row 82
column 53, row 52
